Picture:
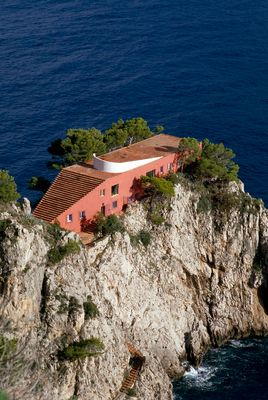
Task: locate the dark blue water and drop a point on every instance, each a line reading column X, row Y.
column 197, row 67
column 237, row 371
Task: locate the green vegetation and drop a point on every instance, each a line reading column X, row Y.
column 3, row 395
column 123, row 133
column 4, row 224
column 80, row 144
column 55, row 233
column 58, row 253
column 155, row 217
column 8, row 187
column 157, row 186
column 38, row 183
column 204, row 204
column 190, row 150
column 90, row 309
column 216, row 163
column 108, row 225
column 143, row 237
column 131, row 392
column 82, row 349
column 7, row 348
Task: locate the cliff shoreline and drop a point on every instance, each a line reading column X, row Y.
column 201, row 280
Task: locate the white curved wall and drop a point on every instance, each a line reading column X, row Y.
column 115, row 167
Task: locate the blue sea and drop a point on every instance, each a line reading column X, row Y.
column 237, row 371
column 200, row 68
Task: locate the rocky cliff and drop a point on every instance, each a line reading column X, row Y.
column 200, row 281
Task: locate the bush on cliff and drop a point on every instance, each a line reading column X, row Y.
column 157, row 186
column 58, row 253
column 8, row 187
column 216, row 163
column 108, row 225
column 90, row 308
column 84, row 348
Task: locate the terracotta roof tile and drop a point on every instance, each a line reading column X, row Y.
column 69, row 187
column 155, row 146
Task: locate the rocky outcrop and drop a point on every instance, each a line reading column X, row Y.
column 201, row 280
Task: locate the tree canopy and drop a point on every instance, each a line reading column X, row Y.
column 8, row 187
column 80, row 144
column 215, row 161
column 189, row 149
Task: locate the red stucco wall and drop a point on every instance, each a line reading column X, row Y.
column 93, row 202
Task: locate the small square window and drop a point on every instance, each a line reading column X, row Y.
column 82, row 214
column 115, row 190
column 150, row 173
column 114, row 204
column 169, row 167
column 102, row 192
column 161, row 169
column 69, row 217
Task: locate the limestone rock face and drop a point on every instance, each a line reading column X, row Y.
column 197, row 284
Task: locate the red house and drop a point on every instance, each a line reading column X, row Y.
column 106, row 183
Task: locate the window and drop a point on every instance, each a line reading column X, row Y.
column 102, row 192
column 69, row 217
column 161, row 169
column 150, row 173
column 82, row 214
column 114, row 204
column 169, row 166
column 115, row 190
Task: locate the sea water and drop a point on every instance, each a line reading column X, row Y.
column 236, row 371
column 197, row 67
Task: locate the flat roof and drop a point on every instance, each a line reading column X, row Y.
column 156, row 146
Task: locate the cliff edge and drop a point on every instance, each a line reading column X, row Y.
column 200, row 280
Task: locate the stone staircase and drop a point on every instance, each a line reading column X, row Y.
column 137, row 361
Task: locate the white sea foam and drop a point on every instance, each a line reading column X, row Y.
column 241, row 343
column 201, row 377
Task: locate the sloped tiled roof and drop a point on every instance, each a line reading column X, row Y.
column 69, row 187
column 75, row 181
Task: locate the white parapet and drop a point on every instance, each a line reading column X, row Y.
column 115, row 167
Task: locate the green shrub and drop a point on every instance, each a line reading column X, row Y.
column 156, row 218
column 7, row 347
column 108, row 225
column 58, row 253
column 8, row 187
column 144, row 237
column 82, row 349
column 131, row 392
column 55, row 231
column 172, row 177
column 74, row 305
column 3, row 395
column 4, row 224
column 90, row 309
column 153, row 185
column 204, row 204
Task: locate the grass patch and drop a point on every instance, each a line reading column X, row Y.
column 58, row 253
column 82, row 349
column 143, row 237
column 131, row 392
column 108, row 225
column 90, row 309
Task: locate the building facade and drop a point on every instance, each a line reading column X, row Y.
column 107, row 183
